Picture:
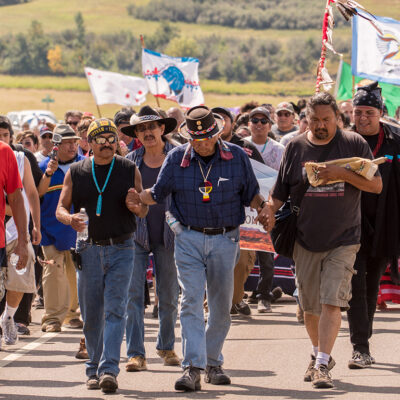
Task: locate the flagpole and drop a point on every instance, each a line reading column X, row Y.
column 157, row 101
column 339, row 76
column 98, row 110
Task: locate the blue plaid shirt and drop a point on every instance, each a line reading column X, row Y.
column 234, row 187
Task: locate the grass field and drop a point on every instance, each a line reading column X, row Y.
column 102, row 16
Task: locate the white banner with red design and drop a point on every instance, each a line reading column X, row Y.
column 252, row 234
column 173, row 78
column 114, row 88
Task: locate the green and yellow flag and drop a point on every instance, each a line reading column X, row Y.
column 344, row 88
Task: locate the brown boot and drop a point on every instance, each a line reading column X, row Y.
column 82, row 353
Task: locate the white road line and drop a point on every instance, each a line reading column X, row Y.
column 18, row 353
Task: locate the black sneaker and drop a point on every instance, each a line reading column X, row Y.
column 108, row 383
column 216, row 376
column 234, row 310
column 311, row 365
column 321, row 378
column 93, row 383
column 243, row 308
column 189, row 381
column 360, row 360
column 276, row 294
column 252, row 299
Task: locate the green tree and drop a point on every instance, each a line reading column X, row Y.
column 38, row 44
column 182, row 47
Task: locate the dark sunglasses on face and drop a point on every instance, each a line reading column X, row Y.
column 264, row 121
column 73, row 123
column 46, row 136
column 103, row 140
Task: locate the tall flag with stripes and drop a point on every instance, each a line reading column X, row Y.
column 173, row 78
column 113, row 88
column 376, row 52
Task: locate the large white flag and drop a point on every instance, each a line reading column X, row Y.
column 173, row 78
column 376, row 55
column 113, row 88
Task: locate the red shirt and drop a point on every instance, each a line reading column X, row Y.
column 10, row 181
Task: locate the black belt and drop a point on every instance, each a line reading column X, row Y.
column 111, row 241
column 212, row 231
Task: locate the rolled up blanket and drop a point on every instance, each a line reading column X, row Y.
column 361, row 166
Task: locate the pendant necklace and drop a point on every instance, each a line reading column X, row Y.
column 205, row 186
column 100, row 197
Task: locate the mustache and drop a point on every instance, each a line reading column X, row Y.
column 105, row 148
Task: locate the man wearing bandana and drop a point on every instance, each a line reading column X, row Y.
column 211, row 182
column 101, row 185
column 380, row 227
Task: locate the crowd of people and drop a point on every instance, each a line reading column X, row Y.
column 87, row 201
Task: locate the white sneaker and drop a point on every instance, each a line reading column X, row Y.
column 10, row 333
column 264, row 306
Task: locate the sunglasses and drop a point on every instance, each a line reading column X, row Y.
column 46, row 136
column 73, row 123
column 103, row 140
column 284, row 114
column 264, row 121
column 152, row 126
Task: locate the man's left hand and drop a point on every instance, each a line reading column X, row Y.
column 329, row 173
column 36, row 236
column 266, row 217
column 133, row 202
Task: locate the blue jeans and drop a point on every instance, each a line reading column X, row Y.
column 103, row 291
column 205, row 262
column 167, row 291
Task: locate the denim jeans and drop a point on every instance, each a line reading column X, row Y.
column 103, row 291
column 205, row 262
column 167, row 291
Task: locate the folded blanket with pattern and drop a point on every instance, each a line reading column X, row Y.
column 362, row 166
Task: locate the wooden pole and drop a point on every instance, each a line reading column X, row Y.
column 143, row 46
column 98, row 110
column 353, row 85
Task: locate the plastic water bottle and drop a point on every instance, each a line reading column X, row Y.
column 85, row 233
column 14, row 258
column 173, row 223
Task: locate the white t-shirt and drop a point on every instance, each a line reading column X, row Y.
column 40, row 156
column 11, row 229
column 271, row 152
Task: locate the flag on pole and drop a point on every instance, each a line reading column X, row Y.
column 173, row 78
column 113, row 88
column 344, row 88
column 376, row 52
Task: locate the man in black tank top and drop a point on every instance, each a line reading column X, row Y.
column 101, row 186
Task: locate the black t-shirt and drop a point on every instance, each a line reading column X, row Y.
column 115, row 219
column 156, row 214
column 330, row 215
column 248, row 148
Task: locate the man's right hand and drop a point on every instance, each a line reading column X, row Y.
column 21, row 250
column 52, row 167
column 77, row 223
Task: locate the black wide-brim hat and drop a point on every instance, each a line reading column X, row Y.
column 201, row 123
column 148, row 114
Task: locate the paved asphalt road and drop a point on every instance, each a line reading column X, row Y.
column 266, row 356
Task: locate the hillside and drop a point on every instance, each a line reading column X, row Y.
column 57, row 15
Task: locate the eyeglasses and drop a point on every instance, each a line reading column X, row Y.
column 103, row 140
column 73, row 123
column 368, row 114
column 151, row 126
column 264, row 121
